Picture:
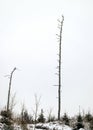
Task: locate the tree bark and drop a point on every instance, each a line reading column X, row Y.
column 59, row 69
column 9, row 90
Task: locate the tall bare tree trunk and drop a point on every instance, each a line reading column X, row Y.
column 9, row 90
column 59, row 67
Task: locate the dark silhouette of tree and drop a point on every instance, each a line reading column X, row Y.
column 79, row 123
column 24, row 118
column 65, row 119
column 79, row 118
column 88, row 117
column 7, row 119
column 41, row 117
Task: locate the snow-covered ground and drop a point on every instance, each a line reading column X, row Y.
column 42, row 126
column 54, row 126
column 48, row 126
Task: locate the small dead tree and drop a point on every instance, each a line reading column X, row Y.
column 37, row 103
column 23, row 120
column 50, row 115
column 22, row 113
column 12, row 102
column 9, row 90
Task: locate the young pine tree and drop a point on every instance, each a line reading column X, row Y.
column 65, row 119
column 79, row 122
column 7, row 119
column 41, row 117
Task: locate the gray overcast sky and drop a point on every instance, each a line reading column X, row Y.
column 28, row 41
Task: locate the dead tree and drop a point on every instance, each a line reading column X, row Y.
column 59, row 36
column 37, row 103
column 50, row 116
column 12, row 102
column 9, row 90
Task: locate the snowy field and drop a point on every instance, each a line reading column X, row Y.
column 48, row 126
column 42, row 126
